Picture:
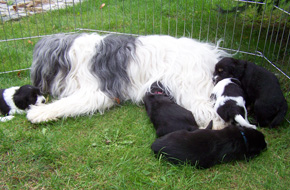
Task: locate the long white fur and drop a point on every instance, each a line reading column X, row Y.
column 221, row 99
column 185, row 66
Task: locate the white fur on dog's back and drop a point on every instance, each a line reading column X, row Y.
column 185, row 66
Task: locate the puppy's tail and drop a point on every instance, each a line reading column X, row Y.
column 280, row 116
column 240, row 120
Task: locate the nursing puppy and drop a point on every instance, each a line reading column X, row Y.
column 230, row 102
column 262, row 89
column 205, row 148
column 165, row 114
column 18, row 100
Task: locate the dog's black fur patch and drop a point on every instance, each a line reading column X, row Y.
column 165, row 114
column 262, row 89
column 205, row 148
column 23, row 97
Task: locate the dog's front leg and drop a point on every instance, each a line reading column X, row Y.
column 79, row 103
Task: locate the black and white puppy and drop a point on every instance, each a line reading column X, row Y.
column 165, row 114
column 261, row 87
column 18, row 99
column 230, row 102
column 205, row 148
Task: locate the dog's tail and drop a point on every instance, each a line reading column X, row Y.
column 240, row 120
column 280, row 116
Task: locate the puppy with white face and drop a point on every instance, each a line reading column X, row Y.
column 261, row 87
column 230, row 102
column 18, row 100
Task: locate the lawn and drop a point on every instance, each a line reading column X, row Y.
column 112, row 151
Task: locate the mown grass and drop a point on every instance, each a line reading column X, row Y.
column 112, row 151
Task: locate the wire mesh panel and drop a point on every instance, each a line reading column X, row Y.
column 256, row 31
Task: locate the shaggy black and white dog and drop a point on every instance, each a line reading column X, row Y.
column 88, row 72
column 230, row 103
column 165, row 114
column 262, row 89
column 18, row 100
column 205, row 148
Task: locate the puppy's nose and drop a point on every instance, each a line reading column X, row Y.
column 43, row 101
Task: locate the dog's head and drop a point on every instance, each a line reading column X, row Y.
column 255, row 141
column 228, row 68
column 28, row 95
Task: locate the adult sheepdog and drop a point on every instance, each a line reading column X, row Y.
column 89, row 72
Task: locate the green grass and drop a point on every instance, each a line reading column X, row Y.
column 112, row 151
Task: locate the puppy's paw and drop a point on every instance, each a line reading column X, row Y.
column 6, row 118
column 41, row 113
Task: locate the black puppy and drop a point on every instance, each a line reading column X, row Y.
column 205, row 148
column 18, row 100
column 262, row 89
column 165, row 114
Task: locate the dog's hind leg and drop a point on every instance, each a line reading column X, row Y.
column 79, row 103
column 243, row 122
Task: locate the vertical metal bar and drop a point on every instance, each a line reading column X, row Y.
column 261, row 25
column 192, row 21
column 185, row 17
column 131, row 17
column 169, row 17
column 281, row 40
column 286, row 47
column 208, row 26
column 138, row 18
column 123, row 26
column 226, row 22
column 81, row 13
column 233, row 32
column 277, row 35
column 160, row 17
column 242, row 32
column 176, row 20
column 266, row 37
column 217, row 25
column 200, row 29
column 74, row 12
column 153, row 15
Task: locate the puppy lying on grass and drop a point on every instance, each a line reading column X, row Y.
column 205, row 148
column 18, row 100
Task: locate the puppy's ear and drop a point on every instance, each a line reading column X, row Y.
column 240, row 67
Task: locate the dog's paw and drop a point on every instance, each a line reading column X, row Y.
column 41, row 113
column 6, row 118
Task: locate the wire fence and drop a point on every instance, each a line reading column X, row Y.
column 256, row 31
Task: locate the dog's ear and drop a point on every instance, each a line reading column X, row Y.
column 239, row 69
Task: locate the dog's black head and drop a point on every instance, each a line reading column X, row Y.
column 229, row 68
column 27, row 95
column 254, row 140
